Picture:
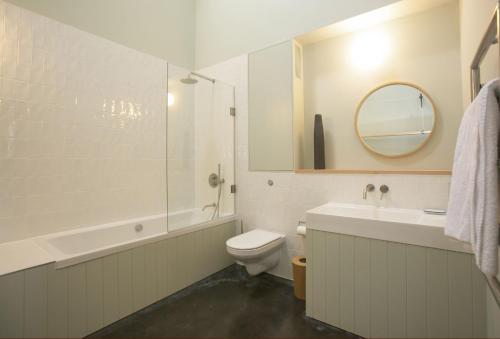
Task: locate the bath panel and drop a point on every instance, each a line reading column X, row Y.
column 75, row 301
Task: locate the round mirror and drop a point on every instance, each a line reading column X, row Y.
column 395, row 119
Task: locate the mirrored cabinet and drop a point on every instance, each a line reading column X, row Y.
column 276, row 108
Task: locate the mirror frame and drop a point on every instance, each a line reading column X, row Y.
column 358, row 109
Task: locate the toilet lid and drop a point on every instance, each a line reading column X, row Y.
column 253, row 239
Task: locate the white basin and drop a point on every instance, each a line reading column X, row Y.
column 408, row 226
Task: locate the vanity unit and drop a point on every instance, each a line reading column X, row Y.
column 387, row 272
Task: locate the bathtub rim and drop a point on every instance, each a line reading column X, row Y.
column 61, row 260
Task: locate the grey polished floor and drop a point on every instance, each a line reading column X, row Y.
column 228, row 304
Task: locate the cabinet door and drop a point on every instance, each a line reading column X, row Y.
column 270, row 108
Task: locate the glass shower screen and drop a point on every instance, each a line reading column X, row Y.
column 200, row 149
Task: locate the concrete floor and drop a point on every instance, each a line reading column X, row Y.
column 228, row 304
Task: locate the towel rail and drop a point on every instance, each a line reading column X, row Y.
column 490, row 37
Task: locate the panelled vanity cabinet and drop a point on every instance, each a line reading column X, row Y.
column 379, row 288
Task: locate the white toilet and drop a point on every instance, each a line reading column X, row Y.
column 257, row 250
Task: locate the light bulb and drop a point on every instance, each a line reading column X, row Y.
column 369, row 50
column 171, row 99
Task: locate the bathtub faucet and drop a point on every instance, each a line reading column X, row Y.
column 207, row 206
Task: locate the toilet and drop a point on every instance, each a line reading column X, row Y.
column 257, row 250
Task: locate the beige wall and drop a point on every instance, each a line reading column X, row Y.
column 228, row 28
column 425, row 50
column 163, row 28
column 474, row 18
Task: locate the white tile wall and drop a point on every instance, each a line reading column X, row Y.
column 281, row 206
column 82, row 128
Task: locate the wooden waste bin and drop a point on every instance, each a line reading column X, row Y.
column 299, row 277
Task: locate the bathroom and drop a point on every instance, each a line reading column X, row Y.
column 163, row 162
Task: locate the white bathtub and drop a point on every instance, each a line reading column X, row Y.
column 186, row 218
column 76, row 246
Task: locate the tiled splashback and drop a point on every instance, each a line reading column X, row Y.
column 281, row 206
column 82, row 128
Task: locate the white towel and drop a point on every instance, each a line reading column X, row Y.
column 472, row 214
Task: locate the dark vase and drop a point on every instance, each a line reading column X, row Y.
column 319, row 143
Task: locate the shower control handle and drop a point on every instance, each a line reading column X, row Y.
column 213, row 180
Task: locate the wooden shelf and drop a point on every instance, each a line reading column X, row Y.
column 367, row 171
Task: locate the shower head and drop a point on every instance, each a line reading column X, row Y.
column 189, row 80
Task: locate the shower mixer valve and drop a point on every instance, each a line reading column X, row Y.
column 215, row 180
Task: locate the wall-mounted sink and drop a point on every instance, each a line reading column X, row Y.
column 409, row 226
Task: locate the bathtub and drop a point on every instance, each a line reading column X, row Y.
column 186, row 218
column 79, row 245
column 98, row 275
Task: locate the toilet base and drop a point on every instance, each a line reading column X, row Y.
column 258, row 265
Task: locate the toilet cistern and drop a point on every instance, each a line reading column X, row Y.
column 368, row 188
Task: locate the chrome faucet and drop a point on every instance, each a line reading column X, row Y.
column 368, row 188
column 383, row 190
column 207, row 206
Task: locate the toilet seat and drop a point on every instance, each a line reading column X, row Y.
column 254, row 243
column 253, row 239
